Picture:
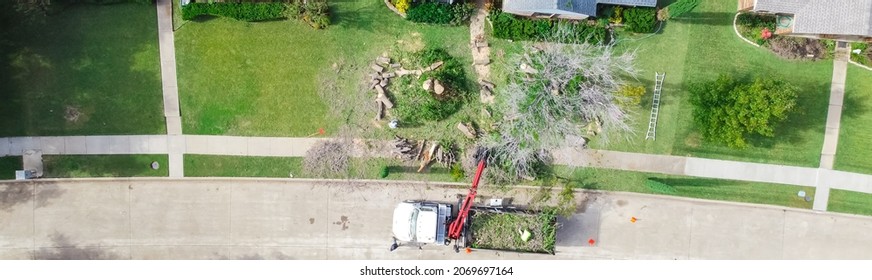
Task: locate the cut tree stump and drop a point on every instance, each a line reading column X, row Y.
column 468, row 131
column 377, row 68
column 383, row 83
column 438, row 88
column 481, row 44
column 380, row 90
column 428, row 84
column 394, row 65
column 388, row 75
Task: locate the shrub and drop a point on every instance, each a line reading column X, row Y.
column 507, row 26
column 239, row 11
column 681, row 7
column 727, row 111
column 315, row 13
column 457, row 173
column 430, row 12
column 414, row 105
column 402, row 5
column 751, row 26
column 640, row 20
column 384, row 172
column 617, row 15
column 633, row 94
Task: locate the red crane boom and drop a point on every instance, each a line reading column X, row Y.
column 456, row 227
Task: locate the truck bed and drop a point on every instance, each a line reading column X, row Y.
column 501, row 231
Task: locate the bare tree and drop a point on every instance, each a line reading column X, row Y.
column 554, row 91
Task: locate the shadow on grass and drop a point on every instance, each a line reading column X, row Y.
column 359, row 17
column 706, row 18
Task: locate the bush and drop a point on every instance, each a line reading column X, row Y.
column 640, row 20
column 430, row 12
column 681, row 7
column 633, row 94
column 402, row 5
column 414, row 105
column 457, row 173
column 507, row 26
column 239, row 11
column 384, row 172
column 728, row 111
column 315, row 13
column 751, row 26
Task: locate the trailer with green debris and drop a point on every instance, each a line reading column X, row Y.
column 493, row 226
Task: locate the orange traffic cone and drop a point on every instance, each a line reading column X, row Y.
column 468, row 250
column 633, row 220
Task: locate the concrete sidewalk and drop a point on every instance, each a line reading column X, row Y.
column 307, row 219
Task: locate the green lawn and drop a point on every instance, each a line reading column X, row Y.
column 267, row 78
column 714, row 189
column 89, row 69
column 282, row 167
column 850, row 202
column 104, row 166
column 698, row 47
column 855, row 148
column 8, row 165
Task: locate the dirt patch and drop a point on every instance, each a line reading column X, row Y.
column 693, row 140
column 412, row 43
column 797, row 48
column 72, row 113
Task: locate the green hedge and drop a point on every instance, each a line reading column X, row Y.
column 681, row 7
column 640, row 20
column 440, row 13
column 507, row 26
column 239, row 11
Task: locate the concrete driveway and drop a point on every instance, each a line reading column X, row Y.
column 280, row 219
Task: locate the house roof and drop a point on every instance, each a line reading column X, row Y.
column 838, row 17
column 585, row 7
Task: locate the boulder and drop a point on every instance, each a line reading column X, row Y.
column 466, row 130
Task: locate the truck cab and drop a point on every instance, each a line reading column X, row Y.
column 421, row 222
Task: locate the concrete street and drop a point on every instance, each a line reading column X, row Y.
column 283, row 219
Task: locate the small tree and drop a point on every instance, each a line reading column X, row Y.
column 727, row 111
column 555, row 89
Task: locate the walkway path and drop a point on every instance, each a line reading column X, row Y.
column 480, row 55
column 166, row 39
column 834, row 117
column 318, row 219
column 297, row 147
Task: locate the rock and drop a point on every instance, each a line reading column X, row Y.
column 403, row 72
column 383, row 83
column 383, row 60
column 375, row 83
column 428, row 84
column 394, row 65
column 377, row 68
column 437, row 87
column 487, row 84
column 388, row 75
column 482, row 61
column 481, row 44
column 466, row 130
column 486, row 96
column 380, row 90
